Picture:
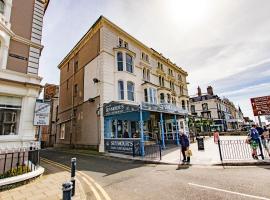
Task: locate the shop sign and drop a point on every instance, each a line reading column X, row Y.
column 164, row 107
column 261, row 105
column 42, row 113
column 115, row 108
column 126, row 146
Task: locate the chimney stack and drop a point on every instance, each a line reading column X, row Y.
column 199, row 91
column 210, row 90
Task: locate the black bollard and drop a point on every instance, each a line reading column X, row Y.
column 67, row 190
column 73, row 170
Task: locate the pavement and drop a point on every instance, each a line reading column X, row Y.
column 48, row 186
column 210, row 154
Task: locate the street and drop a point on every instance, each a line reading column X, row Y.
column 123, row 179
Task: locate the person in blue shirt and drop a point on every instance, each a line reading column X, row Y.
column 184, row 142
column 254, row 141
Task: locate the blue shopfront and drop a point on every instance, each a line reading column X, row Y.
column 129, row 128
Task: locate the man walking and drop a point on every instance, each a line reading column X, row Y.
column 184, row 142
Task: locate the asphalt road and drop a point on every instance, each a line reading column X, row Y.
column 128, row 180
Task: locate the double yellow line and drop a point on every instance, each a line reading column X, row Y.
column 94, row 186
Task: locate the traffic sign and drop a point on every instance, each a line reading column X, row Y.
column 261, row 105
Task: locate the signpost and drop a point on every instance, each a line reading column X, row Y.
column 260, row 106
column 41, row 115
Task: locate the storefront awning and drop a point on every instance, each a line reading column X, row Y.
column 130, row 116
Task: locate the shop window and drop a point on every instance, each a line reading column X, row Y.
column 9, row 121
column 129, row 63
column 2, row 6
column 62, row 132
column 130, row 91
column 121, row 90
column 120, row 63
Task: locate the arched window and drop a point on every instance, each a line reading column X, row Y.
column 183, row 104
column 168, row 98
column 2, row 6
column 121, row 92
column 130, row 91
column 129, row 63
column 120, row 63
column 162, row 98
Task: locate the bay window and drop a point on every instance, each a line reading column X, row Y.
column 120, row 65
column 129, row 63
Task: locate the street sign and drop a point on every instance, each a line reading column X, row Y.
column 42, row 114
column 261, row 105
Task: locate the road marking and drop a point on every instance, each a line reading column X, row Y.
column 92, row 188
column 104, row 193
column 228, row 191
column 84, row 176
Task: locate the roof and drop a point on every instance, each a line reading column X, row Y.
column 103, row 19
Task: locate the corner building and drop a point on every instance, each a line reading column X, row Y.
column 115, row 88
column 21, row 24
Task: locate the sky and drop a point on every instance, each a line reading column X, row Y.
column 224, row 43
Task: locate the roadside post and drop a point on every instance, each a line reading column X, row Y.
column 73, row 170
column 67, row 190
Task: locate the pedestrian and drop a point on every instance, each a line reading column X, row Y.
column 263, row 134
column 254, row 139
column 216, row 136
column 184, row 142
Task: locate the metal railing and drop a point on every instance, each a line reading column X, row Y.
column 239, row 150
column 131, row 146
column 152, row 152
column 17, row 162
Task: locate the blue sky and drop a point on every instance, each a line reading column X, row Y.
column 223, row 43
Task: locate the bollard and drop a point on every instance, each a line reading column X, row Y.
column 67, row 189
column 73, row 170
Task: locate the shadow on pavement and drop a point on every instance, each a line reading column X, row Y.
column 93, row 163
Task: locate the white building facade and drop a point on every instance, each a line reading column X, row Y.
column 20, row 48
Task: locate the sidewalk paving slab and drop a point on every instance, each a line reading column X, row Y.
column 46, row 187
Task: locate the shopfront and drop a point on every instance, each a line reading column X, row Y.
column 147, row 124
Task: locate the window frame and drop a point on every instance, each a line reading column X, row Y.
column 132, row 92
column 121, row 92
column 129, row 66
column 120, row 62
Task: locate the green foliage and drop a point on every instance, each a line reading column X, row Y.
column 15, row 172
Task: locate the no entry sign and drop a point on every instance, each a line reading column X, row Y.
column 261, row 105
